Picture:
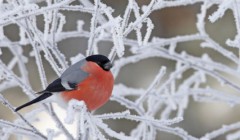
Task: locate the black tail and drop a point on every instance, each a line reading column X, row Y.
column 38, row 99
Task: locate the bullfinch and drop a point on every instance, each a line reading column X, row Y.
column 89, row 80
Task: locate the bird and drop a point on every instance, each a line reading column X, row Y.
column 89, row 80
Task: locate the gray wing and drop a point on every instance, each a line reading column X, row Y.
column 73, row 75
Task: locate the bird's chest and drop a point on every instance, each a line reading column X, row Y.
column 94, row 90
column 97, row 85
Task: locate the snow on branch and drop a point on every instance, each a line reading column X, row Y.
column 157, row 107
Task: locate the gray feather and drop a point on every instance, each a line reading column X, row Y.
column 74, row 74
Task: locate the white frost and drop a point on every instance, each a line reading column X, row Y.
column 155, row 108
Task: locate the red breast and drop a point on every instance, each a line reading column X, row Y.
column 95, row 90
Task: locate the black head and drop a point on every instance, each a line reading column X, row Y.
column 101, row 60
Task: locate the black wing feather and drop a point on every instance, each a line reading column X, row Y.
column 56, row 86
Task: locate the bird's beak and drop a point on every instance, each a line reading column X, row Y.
column 107, row 66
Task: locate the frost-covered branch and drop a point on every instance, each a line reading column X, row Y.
column 158, row 106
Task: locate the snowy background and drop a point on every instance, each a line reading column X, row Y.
column 176, row 67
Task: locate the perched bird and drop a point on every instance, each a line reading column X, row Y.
column 89, row 80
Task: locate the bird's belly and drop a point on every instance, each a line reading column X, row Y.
column 95, row 92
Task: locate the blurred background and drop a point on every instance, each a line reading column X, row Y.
column 199, row 118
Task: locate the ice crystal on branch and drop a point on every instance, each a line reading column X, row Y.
column 155, row 107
